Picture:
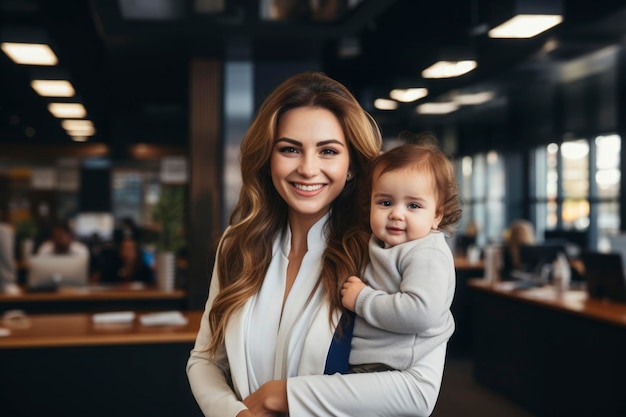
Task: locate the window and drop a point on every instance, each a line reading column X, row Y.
column 581, row 187
column 481, row 181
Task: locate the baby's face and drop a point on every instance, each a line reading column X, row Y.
column 403, row 206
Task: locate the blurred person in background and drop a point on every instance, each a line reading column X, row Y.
column 8, row 281
column 520, row 232
column 62, row 242
column 125, row 263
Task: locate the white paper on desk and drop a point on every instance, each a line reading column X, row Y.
column 114, row 317
column 165, row 318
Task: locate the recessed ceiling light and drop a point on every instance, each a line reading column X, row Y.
column 437, row 108
column 449, row 69
column 53, row 88
column 30, row 53
column 385, row 104
column 525, row 26
column 67, row 110
column 408, row 95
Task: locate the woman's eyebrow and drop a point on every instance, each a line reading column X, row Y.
column 330, row 142
column 318, row 144
column 288, row 140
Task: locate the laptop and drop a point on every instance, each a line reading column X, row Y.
column 49, row 272
column 604, row 275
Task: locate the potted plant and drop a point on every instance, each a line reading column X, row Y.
column 25, row 234
column 169, row 216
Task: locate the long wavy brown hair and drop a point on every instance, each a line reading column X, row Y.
column 260, row 215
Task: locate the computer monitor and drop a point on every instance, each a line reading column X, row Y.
column 604, row 275
column 88, row 224
column 533, row 257
column 50, row 271
column 618, row 245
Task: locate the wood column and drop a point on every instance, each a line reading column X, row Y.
column 205, row 186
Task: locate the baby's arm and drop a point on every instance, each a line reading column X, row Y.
column 350, row 291
column 424, row 298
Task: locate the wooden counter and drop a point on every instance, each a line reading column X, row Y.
column 95, row 298
column 65, row 365
column 63, row 330
column 554, row 355
column 571, row 302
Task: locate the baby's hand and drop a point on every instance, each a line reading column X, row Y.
column 350, row 291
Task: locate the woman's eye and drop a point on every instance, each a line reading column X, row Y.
column 288, row 149
column 329, row 152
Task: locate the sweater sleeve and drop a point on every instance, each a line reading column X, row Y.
column 411, row 392
column 421, row 303
column 207, row 376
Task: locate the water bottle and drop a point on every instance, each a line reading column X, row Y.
column 561, row 274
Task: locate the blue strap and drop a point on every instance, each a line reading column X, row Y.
column 339, row 352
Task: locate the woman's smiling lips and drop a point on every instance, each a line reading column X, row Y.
column 307, row 188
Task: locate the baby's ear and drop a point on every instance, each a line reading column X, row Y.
column 437, row 220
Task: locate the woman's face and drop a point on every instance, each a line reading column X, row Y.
column 309, row 162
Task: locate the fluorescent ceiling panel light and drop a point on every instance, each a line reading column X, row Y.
column 79, row 138
column 473, row 99
column 53, row 88
column 73, row 124
column 67, row 110
column 525, row 26
column 437, row 108
column 83, row 131
column 408, row 95
column 449, row 69
column 29, row 53
column 384, row 104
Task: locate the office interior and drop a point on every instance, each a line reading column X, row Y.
column 164, row 91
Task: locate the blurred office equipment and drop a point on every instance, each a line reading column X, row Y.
column 88, row 224
column 534, row 257
column 574, row 241
column 49, row 272
column 604, row 275
column 618, row 244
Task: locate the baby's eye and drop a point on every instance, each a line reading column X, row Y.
column 384, row 203
column 414, row 206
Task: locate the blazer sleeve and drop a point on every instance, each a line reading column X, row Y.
column 410, row 392
column 207, row 376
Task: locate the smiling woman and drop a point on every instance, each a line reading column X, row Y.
column 298, row 231
column 309, row 163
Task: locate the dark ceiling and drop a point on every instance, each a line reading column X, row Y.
column 129, row 59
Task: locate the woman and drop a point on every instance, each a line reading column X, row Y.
column 271, row 328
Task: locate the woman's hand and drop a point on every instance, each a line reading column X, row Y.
column 269, row 400
column 350, row 291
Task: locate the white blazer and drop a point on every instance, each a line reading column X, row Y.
column 219, row 385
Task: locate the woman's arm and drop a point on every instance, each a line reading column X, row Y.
column 412, row 392
column 206, row 375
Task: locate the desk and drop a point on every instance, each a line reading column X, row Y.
column 461, row 341
column 555, row 356
column 64, row 365
column 94, row 298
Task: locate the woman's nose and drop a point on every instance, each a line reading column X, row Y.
column 308, row 166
